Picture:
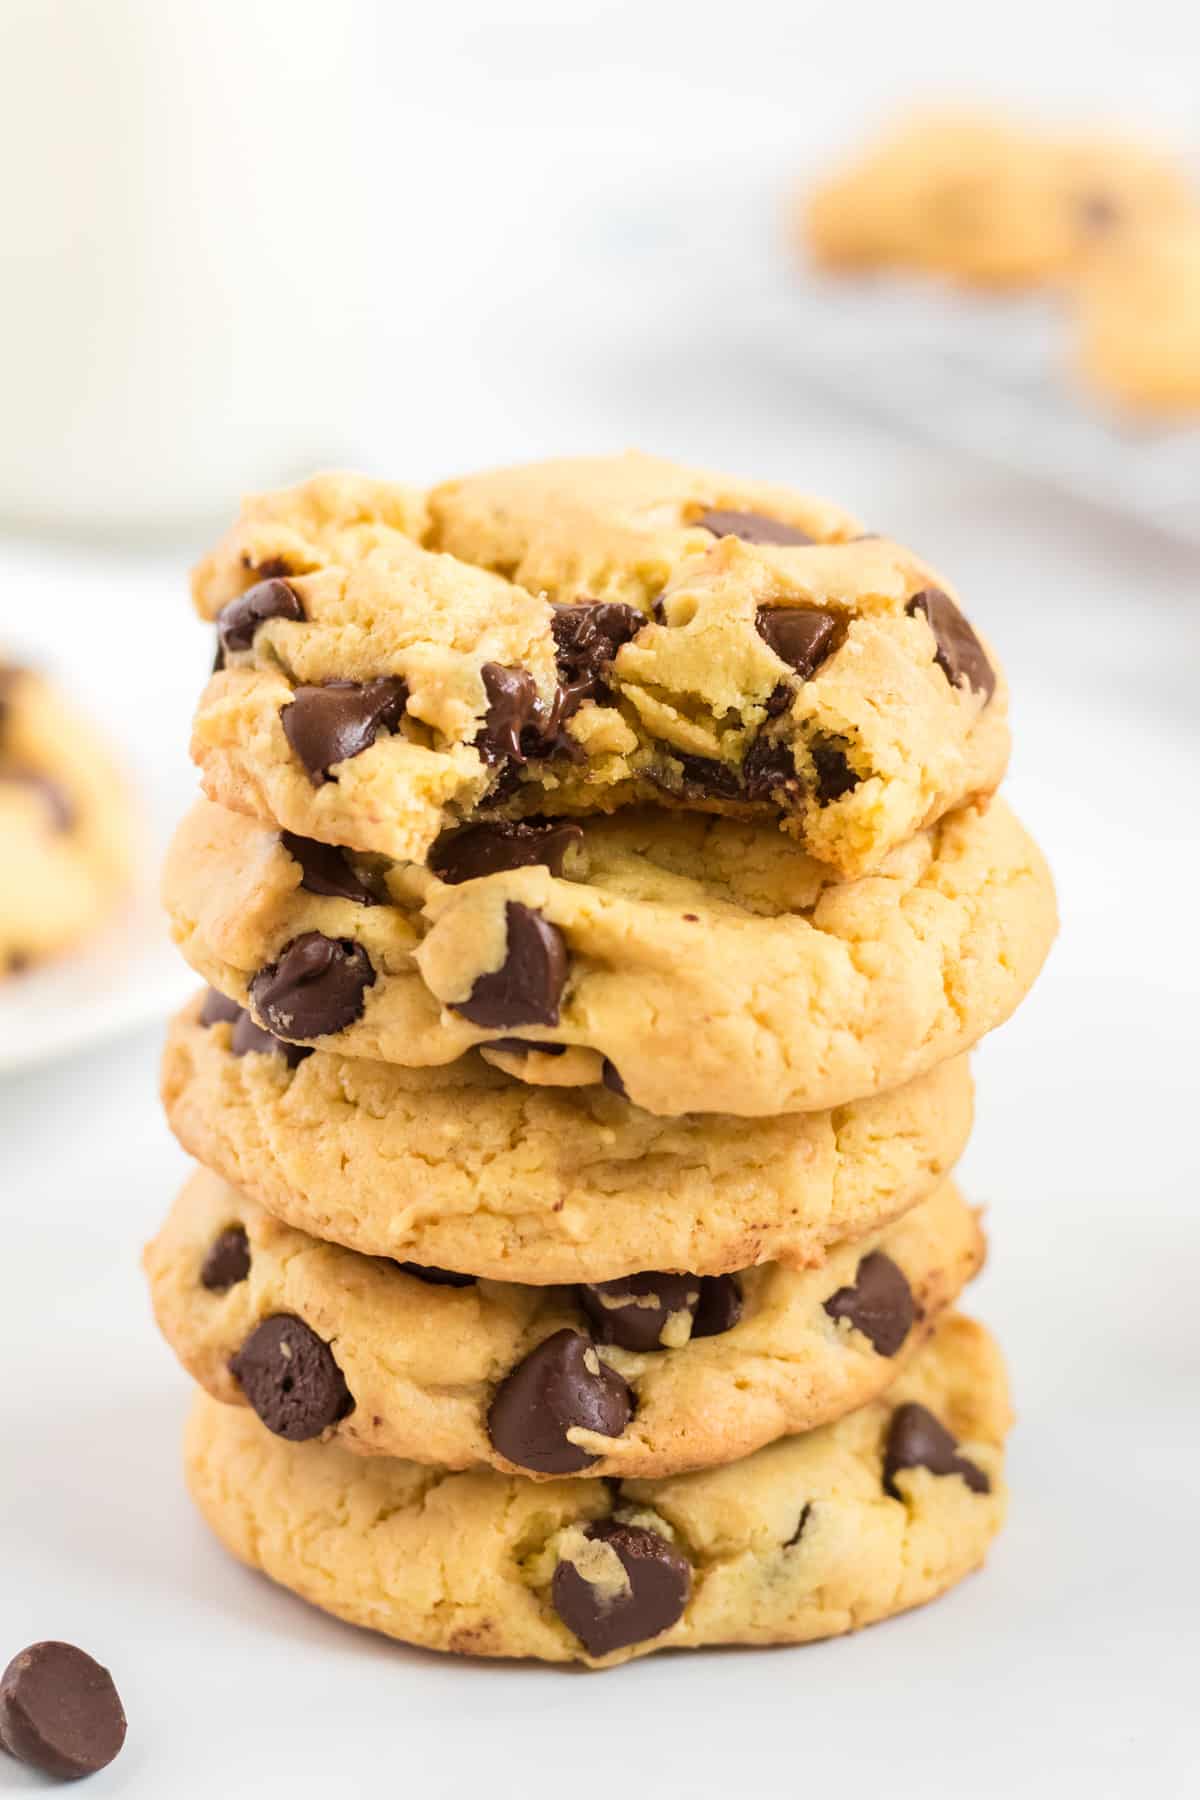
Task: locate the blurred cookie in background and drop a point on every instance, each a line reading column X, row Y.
column 66, row 823
column 1137, row 324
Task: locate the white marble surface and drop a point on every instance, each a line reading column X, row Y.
column 1069, row 1665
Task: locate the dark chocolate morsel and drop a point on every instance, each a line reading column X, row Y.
column 835, row 777
column 51, row 793
column 227, row 1262
column 801, row 636
column 249, row 1039
column 488, row 849
column 289, row 1376
column 528, row 985
column 632, row 1310
column 805, row 1516
column 751, row 527
column 918, row 1440
column 705, row 776
column 238, row 621
column 511, row 1046
column 587, row 636
column 315, row 988
column 218, row 1009
column 959, row 654
column 437, row 1277
column 610, row 1075
column 659, row 1581
column 769, row 768
column 720, row 1306
column 778, row 700
column 880, row 1303
column 513, row 707
column 326, row 870
column 270, row 565
column 561, row 1384
column 329, row 724
column 60, row 1711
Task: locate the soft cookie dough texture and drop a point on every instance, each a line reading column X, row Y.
column 65, row 823
column 810, row 1537
column 569, row 638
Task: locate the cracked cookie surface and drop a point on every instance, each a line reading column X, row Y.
column 810, row 1537
column 692, row 962
column 715, row 1367
column 465, row 1168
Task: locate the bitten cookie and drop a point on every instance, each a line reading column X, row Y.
column 810, row 1537
column 692, row 963
column 668, row 645
column 650, row 1374
column 464, row 1168
column 65, row 823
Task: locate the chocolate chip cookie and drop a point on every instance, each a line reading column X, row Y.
column 810, row 1537
column 1137, row 324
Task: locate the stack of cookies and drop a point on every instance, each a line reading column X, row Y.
column 598, row 888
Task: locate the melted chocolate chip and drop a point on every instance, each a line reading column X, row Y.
column 610, row 1076
column 290, row 1378
column 959, row 654
column 527, row 987
column 269, row 566
column 659, row 1581
column 240, row 619
column 511, row 1046
column 513, row 708
column 769, row 769
column 329, row 724
column 586, row 639
column 325, row 869
column 880, row 1304
column 315, row 988
column 751, row 527
column 801, row 636
column 488, row 849
column 437, row 1277
column 218, row 1009
column 720, row 1306
column 918, row 1440
column 560, row 1385
column 704, row 777
column 249, row 1039
column 52, row 794
column 60, row 1711
column 835, row 777
column 778, row 700
column 227, row 1262
column 633, row 1310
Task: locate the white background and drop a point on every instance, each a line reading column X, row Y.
column 556, row 194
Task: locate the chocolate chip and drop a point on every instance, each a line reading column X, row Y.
column 436, row 1277
column 586, row 639
column 704, row 776
column 751, row 527
column 240, row 619
column 659, row 1582
column 249, row 1039
column 959, row 654
column 835, row 777
column 805, row 1516
column 270, row 565
column 801, row 636
column 778, row 700
column 218, row 1009
column 329, row 724
column 561, row 1384
column 513, row 706
column 769, row 769
column 720, row 1306
column 51, row 793
column 528, row 985
column 511, row 1046
column 633, row 1310
column 227, row 1262
column 489, row 849
column 326, row 870
column 611, row 1077
column 1097, row 213
column 60, row 1711
column 880, row 1304
column 314, row 988
column 918, row 1440
column 290, row 1378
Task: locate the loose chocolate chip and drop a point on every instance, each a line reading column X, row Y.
column 561, row 1384
column 610, row 1075
column 528, row 985
column 478, row 850
column 633, row 1310
column 249, row 1039
column 720, row 1306
column 918, row 1440
column 218, row 1009
column 704, row 776
column 801, row 636
column 805, row 1516
column 227, row 1262
column 959, row 654
column 835, row 777
column 240, row 619
column 526, row 1047
column 290, row 1378
column 326, row 870
column 51, row 793
column 586, row 639
column 880, row 1304
column 60, row 1711
column 751, row 527
column 329, row 724
column 315, row 988
column 513, row 706
column 659, row 1581
column 437, row 1277
column 769, row 768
